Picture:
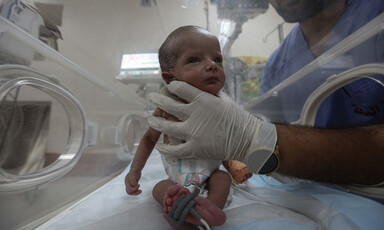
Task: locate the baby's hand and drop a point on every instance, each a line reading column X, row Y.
column 238, row 171
column 247, row 176
column 132, row 182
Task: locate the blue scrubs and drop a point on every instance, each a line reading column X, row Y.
column 356, row 104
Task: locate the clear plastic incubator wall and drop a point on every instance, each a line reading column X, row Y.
column 65, row 130
column 75, row 78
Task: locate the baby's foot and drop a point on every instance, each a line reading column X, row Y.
column 172, row 195
column 213, row 215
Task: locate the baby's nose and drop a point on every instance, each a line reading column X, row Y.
column 211, row 66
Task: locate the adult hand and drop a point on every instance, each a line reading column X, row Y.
column 212, row 127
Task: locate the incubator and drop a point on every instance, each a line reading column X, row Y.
column 64, row 130
column 74, row 83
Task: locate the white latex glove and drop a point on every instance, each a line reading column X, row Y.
column 213, row 127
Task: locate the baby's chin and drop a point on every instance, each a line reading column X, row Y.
column 212, row 89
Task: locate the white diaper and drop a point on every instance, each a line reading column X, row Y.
column 189, row 171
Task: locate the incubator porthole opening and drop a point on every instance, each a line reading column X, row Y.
column 43, row 129
column 130, row 128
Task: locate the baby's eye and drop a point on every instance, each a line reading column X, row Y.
column 193, row 60
column 218, row 59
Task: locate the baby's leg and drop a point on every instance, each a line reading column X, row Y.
column 218, row 185
column 213, row 215
column 160, row 189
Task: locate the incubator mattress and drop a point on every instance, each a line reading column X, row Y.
column 255, row 205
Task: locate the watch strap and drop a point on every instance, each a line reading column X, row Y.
column 272, row 164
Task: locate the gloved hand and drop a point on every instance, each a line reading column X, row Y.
column 212, row 127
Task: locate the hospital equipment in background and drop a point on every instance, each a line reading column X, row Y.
column 232, row 17
column 142, row 69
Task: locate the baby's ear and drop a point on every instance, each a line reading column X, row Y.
column 168, row 77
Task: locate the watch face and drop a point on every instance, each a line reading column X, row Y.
column 270, row 165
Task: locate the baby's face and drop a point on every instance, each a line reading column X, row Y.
column 199, row 62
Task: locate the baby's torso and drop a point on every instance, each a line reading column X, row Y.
column 188, row 170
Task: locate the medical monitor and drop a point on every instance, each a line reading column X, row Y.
column 140, row 64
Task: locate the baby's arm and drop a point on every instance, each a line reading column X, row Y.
column 144, row 150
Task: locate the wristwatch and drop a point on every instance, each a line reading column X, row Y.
column 272, row 163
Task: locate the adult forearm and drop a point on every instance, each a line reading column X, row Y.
column 341, row 156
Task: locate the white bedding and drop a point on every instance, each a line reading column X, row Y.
column 289, row 206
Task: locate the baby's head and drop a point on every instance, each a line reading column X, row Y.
column 193, row 54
